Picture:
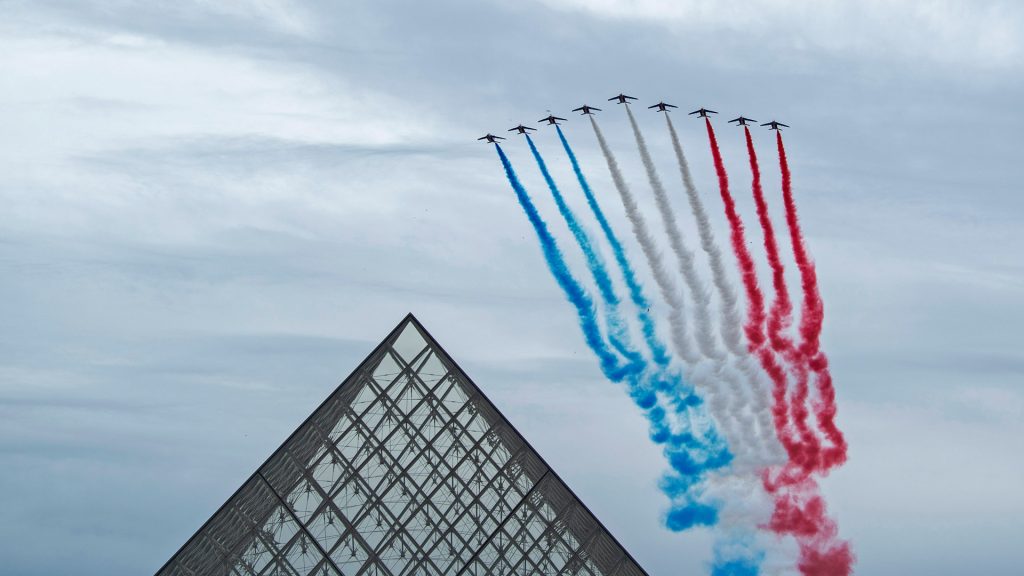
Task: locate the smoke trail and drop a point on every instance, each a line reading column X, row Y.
column 677, row 321
column 801, row 511
column 755, row 299
column 811, row 319
column 730, row 321
column 636, row 293
column 610, row 364
column 679, row 517
column 684, row 257
column 799, row 508
column 754, row 328
column 617, row 328
column 780, row 316
column 730, row 318
column 726, row 401
column 723, row 400
column 695, row 448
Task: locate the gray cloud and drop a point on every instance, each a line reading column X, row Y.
column 212, row 211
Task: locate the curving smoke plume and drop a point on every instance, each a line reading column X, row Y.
column 691, row 445
column 799, row 510
column 636, row 292
column 757, row 396
column 676, row 318
column 726, row 391
column 811, row 319
column 705, row 336
column 618, row 330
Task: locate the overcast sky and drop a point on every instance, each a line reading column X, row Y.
column 212, row 210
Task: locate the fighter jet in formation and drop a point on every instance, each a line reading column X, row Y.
column 586, row 109
column 775, row 125
column 551, row 119
column 521, row 129
column 662, row 107
column 703, row 112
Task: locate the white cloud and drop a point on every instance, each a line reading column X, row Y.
column 150, row 88
column 281, row 15
column 202, row 195
column 966, row 33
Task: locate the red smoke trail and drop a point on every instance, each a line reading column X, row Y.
column 799, row 508
column 782, row 309
column 755, row 299
column 811, row 318
column 781, row 316
column 801, row 511
column 755, row 310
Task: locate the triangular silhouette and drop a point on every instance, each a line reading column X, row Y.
column 406, row 469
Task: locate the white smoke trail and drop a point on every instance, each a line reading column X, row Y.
column 676, row 319
column 727, row 402
column 732, row 324
column 684, row 257
column 758, row 398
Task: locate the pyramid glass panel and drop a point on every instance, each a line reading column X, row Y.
column 406, row 469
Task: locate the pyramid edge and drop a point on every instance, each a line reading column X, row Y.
column 392, row 335
column 433, row 342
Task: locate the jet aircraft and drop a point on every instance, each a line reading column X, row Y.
column 491, row 138
column 586, row 109
column 703, row 112
column 662, row 107
column 775, row 125
column 551, row 119
column 741, row 121
column 521, row 129
column 621, row 99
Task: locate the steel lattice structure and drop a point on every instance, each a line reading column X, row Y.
column 406, row 469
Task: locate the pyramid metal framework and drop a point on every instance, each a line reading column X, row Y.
column 406, row 469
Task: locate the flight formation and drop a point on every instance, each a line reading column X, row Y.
column 730, row 376
column 623, row 99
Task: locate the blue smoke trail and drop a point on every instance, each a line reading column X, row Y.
column 618, row 331
column 636, row 292
column 610, row 364
column 691, row 453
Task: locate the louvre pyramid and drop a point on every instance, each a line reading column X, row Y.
column 406, row 469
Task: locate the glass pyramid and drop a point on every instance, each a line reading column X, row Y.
column 406, row 469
